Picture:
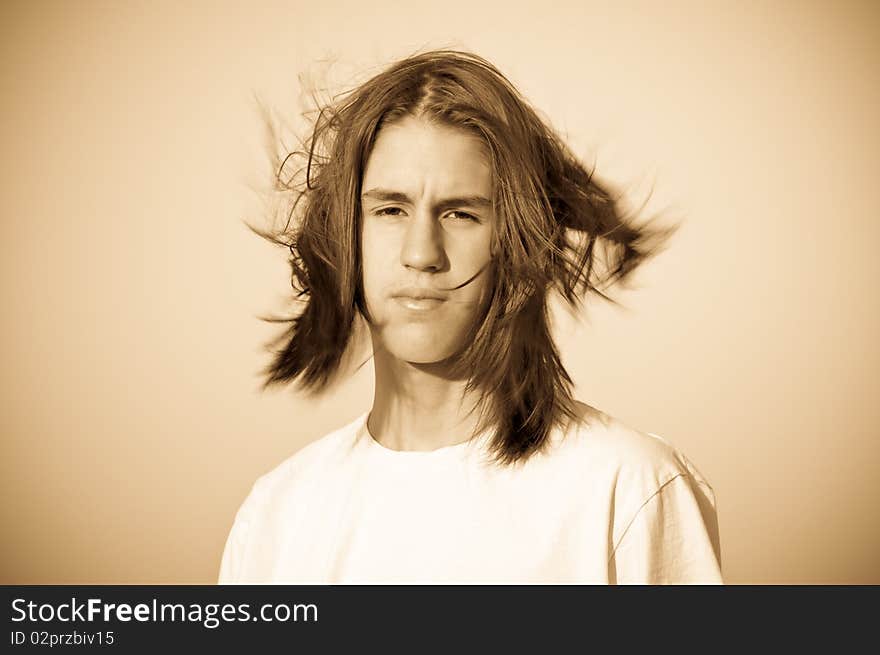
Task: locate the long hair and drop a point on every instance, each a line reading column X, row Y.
column 552, row 220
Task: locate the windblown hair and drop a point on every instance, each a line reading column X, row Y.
column 552, row 220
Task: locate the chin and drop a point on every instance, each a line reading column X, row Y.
column 430, row 354
column 420, row 346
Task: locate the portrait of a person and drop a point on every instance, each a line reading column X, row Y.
column 435, row 216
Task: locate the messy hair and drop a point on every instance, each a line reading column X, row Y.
column 553, row 221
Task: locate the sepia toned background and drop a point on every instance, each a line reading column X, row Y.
column 131, row 418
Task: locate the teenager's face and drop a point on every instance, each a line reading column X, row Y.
column 427, row 222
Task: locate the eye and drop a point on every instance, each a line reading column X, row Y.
column 388, row 211
column 462, row 216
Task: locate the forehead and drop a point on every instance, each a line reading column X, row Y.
column 416, row 155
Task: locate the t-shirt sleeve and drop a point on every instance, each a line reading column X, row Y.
column 233, row 554
column 672, row 539
column 235, row 550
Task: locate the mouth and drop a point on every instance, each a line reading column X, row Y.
column 419, row 300
column 418, row 304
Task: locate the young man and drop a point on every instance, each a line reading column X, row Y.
column 440, row 212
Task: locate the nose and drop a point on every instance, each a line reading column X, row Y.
column 422, row 248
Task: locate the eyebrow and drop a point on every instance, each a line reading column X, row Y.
column 387, row 195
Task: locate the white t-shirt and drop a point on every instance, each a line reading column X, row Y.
column 604, row 504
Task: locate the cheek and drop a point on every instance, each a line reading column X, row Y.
column 368, row 255
column 372, row 279
column 375, row 265
column 473, row 259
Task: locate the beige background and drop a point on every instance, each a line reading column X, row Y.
column 131, row 422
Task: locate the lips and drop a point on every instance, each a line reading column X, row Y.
column 418, row 299
column 419, row 293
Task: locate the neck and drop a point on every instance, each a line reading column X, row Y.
column 418, row 406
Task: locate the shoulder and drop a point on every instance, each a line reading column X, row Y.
column 633, row 460
column 653, row 491
column 312, row 461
